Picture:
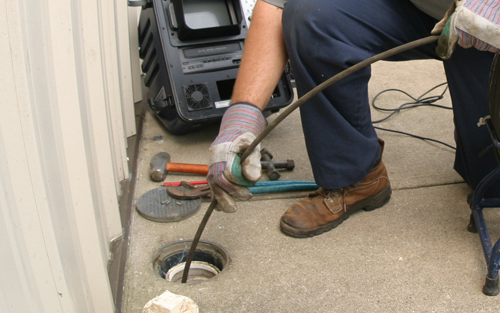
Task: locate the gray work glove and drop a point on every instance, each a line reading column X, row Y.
column 228, row 177
column 469, row 23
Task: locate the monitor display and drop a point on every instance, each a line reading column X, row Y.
column 200, row 14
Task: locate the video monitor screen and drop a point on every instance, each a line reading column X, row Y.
column 200, row 14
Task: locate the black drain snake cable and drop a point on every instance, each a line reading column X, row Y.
column 332, row 80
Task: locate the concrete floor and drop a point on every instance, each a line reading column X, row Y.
column 413, row 255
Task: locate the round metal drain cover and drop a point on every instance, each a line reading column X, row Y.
column 156, row 205
column 209, row 260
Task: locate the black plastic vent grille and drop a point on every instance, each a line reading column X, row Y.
column 147, row 53
column 197, row 97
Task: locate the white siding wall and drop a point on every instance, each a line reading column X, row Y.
column 67, row 109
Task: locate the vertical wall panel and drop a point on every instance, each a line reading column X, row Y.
column 32, row 274
column 94, row 109
column 124, row 61
column 133, row 17
column 111, row 76
column 62, row 153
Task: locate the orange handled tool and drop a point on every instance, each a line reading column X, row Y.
column 160, row 165
column 187, row 168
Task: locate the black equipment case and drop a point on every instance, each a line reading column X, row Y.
column 191, row 50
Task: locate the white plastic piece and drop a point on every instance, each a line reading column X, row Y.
column 198, row 271
column 171, row 303
column 482, row 120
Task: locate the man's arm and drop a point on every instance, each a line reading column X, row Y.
column 264, row 57
column 263, row 61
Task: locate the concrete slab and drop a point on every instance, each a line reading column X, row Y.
column 414, row 254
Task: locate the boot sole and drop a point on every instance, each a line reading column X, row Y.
column 367, row 205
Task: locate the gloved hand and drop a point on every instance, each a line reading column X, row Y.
column 228, row 177
column 469, row 23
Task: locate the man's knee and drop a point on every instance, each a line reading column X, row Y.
column 301, row 18
column 335, row 23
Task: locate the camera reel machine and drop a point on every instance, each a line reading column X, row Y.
column 191, row 51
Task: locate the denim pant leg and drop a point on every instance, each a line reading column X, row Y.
column 467, row 72
column 324, row 37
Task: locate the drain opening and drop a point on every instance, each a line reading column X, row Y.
column 209, row 261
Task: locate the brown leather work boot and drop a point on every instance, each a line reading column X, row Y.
column 324, row 209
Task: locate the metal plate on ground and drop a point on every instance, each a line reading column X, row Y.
column 156, row 205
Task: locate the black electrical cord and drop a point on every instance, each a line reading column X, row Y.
column 417, row 102
column 420, row 101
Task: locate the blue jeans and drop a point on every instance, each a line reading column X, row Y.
column 324, row 37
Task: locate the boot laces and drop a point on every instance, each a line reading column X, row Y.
column 329, row 193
